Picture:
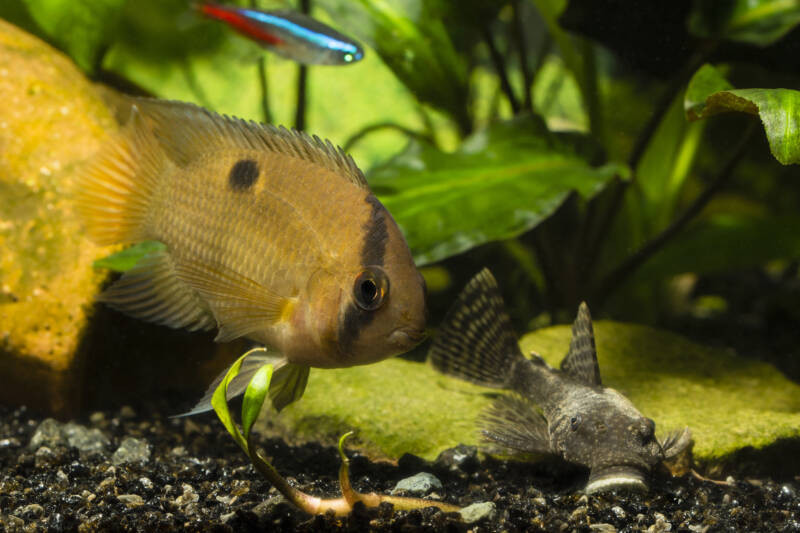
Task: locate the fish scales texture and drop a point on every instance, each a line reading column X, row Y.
column 267, row 233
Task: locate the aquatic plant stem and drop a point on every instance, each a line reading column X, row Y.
column 363, row 132
column 262, row 80
column 500, row 68
column 519, row 37
column 302, row 82
column 622, row 272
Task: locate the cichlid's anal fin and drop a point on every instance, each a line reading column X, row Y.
column 287, row 385
column 581, row 361
column 241, row 305
column 189, row 132
column 114, row 191
column 152, row 291
column 514, row 426
column 476, row 341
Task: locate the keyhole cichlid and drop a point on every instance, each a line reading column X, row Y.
column 289, row 34
column 270, row 234
column 566, row 412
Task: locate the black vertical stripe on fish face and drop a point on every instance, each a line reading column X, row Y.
column 374, row 248
column 349, row 328
column 243, row 175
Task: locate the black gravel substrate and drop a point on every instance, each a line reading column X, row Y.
column 122, row 471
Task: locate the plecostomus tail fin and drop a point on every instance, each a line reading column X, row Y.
column 515, row 427
column 476, row 341
column 287, row 385
column 581, row 361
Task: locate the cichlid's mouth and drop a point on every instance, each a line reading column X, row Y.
column 616, row 477
column 406, row 338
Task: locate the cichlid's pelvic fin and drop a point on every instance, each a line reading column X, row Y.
column 153, row 291
column 188, row 132
column 287, row 385
column 581, row 361
column 515, row 426
column 241, row 306
column 476, row 341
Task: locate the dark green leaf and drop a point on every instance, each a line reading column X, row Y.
column 759, row 22
column 126, row 259
column 219, row 402
column 82, row 29
column 779, row 109
column 254, row 396
column 725, row 242
column 499, row 184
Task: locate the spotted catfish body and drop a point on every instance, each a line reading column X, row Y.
column 565, row 412
column 270, row 235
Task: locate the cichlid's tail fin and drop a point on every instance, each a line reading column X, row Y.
column 476, row 341
column 114, row 192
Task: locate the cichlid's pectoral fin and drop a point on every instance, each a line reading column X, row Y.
column 581, row 361
column 241, row 305
column 515, row 426
column 476, row 341
column 152, row 291
column 188, row 132
column 287, row 385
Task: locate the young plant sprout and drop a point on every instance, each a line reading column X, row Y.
column 254, row 398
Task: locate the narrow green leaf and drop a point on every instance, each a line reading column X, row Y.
column 499, row 184
column 126, row 259
column 219, row 401
column 82, row 29
column 778, row 109
column 759, row 22
column 254, row 396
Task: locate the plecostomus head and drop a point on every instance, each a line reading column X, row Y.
column 565, row 412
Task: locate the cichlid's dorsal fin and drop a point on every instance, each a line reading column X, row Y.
column 188, row 132
column 514, row 424
column 152, row 291
column 476, row 341
column 581, row 361
column 241, row 305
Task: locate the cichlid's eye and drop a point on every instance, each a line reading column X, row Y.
column 371, row 288
column 575, row 422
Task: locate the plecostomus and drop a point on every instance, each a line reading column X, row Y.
column 269, row 234
column 565, row 412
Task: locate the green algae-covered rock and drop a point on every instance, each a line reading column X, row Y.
column 399, row 406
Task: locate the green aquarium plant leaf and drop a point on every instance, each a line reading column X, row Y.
column 500, row 183
column 254, row 397
column 758, row 22
column 778, row 109
column 220, row 403
column 126, row 259
column 82, row 29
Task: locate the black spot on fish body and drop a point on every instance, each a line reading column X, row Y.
column 243, row 175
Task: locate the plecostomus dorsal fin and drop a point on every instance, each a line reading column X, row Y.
column 514, row 426
column 581, row 361
column 476, row 341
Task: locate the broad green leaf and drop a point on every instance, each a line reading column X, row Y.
column 82, row 29
column 499, row 184
column 759, row 22
column 725, row 242
column 412, row 39
column 254, row 396
column 219, row 401
column 778, row 109
column 676, row 382
column 126, row 259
